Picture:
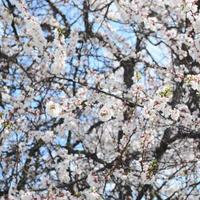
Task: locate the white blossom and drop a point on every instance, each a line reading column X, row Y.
column 70, row 125
column 90, row 195
column 53, row 109
column 175, row 114
column 105, row 113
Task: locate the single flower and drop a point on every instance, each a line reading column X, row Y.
column 53, row 109
column 105, row 113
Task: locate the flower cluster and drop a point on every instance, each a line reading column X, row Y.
column 99, row 99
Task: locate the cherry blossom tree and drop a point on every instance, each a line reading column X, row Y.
column 99, row 99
